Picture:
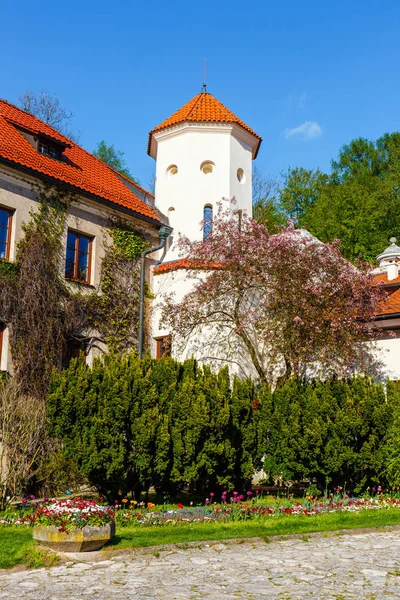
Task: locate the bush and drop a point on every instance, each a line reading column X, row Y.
column 331, row 431
column 130, row 424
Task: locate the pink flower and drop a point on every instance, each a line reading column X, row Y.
column 207, row 501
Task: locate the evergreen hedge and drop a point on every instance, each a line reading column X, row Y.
column 132, row 423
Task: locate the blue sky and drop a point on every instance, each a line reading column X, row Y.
column 307, row 76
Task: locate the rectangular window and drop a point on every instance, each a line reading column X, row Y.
column 47, row 150
column 163, row 346
column 78, row 259
column 5, row 233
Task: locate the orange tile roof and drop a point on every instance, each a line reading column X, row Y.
column 185, row 263
column 382, row 278
column 78, row 168
column 391, row 305
column 203, row 108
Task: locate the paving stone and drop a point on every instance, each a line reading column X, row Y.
column 350, row 566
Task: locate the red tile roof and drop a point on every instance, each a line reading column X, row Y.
column 391, row 305
column 185, row 263
column 77, row 168
column 382, row 278
column 203, row 108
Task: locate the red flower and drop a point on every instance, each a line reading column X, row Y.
column 180, row 505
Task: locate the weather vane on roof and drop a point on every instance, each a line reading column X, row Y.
column 205, row 76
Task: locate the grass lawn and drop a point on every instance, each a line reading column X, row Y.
column 17, row 546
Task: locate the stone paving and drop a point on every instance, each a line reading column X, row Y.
column 333, row 566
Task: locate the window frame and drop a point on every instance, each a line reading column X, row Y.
column 79, row 235
column 1, row 341
column 163, row 346
column 9, row 230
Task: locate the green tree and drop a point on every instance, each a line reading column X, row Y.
column 357, row 204
column 113, row 158
column 301, row 188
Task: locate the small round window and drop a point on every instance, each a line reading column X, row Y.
column 172, row 170
column 207, row 167
column 240, row 176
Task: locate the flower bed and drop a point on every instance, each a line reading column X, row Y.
column 237, row 508
column 72, row 514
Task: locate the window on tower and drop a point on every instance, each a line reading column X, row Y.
column 207, row 167
column 207, row 221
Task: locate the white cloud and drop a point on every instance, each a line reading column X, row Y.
column 309, row 130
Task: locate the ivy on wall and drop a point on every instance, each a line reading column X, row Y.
column 43, row 311
column 34, row 294
column 118, row 302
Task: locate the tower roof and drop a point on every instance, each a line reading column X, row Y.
column 203, row 108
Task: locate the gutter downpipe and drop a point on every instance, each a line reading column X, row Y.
column 163, row 233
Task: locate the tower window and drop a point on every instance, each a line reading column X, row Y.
column 208, row 219
column 207, row 167
column 172, row 170
column 241, row 177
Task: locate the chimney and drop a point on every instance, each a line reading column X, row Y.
column 389, row 260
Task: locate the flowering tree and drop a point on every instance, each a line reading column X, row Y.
column 277, row 302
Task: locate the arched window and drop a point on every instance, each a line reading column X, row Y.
column 208, row 218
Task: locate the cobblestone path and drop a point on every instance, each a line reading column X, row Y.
column 346, row 566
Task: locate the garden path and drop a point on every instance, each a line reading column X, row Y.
column 331, row 566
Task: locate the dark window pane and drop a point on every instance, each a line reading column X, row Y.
column 82, row 272
column 3, row 235
column 4, row 216
column 70, row 262
column 3, row 250
column 84, row 244
column 208, row 216
column 71, row 239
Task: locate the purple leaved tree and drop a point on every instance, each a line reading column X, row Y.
column 281, row 303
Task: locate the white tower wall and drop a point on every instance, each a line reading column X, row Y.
column 183, row 195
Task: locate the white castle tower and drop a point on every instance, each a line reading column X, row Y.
column 204, row 155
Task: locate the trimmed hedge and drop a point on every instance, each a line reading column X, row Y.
column 132, row 423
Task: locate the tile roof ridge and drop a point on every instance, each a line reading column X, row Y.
column 196, row 103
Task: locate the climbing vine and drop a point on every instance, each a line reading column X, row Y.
column 43, row 311
column 118, row 303
column 34, row 294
